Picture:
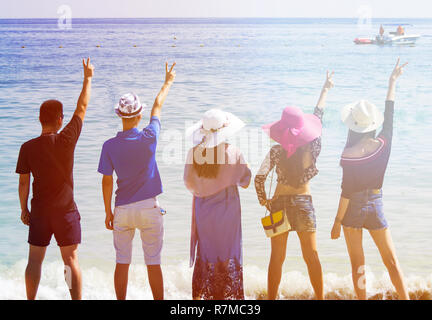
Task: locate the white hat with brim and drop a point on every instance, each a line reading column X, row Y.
column 214, row 128
column 129, row 106
column 362, row 116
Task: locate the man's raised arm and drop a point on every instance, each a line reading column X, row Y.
column 84, row 97
column 160, row 99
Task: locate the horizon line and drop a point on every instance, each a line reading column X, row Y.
column 161, row 17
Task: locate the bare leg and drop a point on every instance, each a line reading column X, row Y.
column 34, row 270
column 121, row 276
column 384, row 242
column 277, row 258
column 354, row 239
column 72, row 270
column 310, row 256
column 156, row 281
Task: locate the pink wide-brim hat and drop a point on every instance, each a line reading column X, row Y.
column 294, row 129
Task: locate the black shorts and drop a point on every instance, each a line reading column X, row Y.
column 66, row 228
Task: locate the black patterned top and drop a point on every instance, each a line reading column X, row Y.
column 273, row 158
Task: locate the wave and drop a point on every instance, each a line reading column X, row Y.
column 98, row 284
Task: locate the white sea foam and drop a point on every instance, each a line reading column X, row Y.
column 98, row 284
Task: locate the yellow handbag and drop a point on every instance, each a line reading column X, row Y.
column 275, row 223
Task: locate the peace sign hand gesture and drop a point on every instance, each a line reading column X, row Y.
column 170, row 74
column 88, row 69
column 329, row 81
column 397, row 71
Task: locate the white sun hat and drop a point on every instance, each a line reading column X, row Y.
column 214, row 128
column 362, row 116
column 129, row 106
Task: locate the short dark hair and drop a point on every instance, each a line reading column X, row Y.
column 50, row 111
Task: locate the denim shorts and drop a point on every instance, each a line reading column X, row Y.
column 299, row 211
column 365, row 210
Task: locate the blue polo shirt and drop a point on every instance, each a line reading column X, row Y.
column 131, row 154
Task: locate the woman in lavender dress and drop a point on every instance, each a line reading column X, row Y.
column 213, row 172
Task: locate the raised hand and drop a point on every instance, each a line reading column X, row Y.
column 169, row 74
column 329, row 81
column 328, row 84
column 397, row 71
column 84, row 98
column 88, row 69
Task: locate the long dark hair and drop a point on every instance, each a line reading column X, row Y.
column 208, row 168
column 293, row 167
column 355, row 137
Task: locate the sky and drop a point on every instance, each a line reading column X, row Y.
column 217, row 8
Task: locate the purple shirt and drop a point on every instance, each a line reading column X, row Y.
column 132, row 155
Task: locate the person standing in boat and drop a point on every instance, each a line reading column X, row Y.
column 380, row 38
column 299, row 144
column 213, row 172
column 364, row 162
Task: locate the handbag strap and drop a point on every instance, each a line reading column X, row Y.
column 271, row 182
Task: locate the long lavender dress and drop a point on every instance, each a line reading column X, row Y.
column 216, row 235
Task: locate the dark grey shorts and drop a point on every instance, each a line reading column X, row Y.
column 299, row 210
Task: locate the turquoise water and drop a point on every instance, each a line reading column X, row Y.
column 252, row 67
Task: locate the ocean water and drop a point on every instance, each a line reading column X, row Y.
column 251, row 67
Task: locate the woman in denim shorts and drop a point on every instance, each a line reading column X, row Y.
column 364, row 162
column 294, row 157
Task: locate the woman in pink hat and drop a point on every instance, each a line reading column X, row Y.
column 299, row 143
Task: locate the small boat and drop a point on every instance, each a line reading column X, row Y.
column 363, row 41
column 391, row 38
column 400, row 40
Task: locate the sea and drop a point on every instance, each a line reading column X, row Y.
column 252, row 68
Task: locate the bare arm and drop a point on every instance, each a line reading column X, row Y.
column 326, row 88
column 160, row 99
column 23, row 191
column 343, row 206
column 84, row 97
column 107, row 191
column 397, row 72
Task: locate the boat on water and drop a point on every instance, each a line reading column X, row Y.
column 400, row 40
column 399, row 37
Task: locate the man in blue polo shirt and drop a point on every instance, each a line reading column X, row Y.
column 131, row 154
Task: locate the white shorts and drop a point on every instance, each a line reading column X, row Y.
column 145, row 216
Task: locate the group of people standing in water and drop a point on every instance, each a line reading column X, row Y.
column 213, row 172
